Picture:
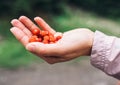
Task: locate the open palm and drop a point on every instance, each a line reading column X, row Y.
column 73, row 44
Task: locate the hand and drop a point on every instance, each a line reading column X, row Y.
column 73, row 44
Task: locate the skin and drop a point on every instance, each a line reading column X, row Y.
column 74, row 43
column 118, row 83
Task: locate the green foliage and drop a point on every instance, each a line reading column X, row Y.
column 4, row 27
column 102, row 7
column 5, row 7
column 80, row 19
column 14, row 55
column 26, row 7
column 18, row 7
column 21, row 6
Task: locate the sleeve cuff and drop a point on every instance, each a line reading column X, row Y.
column 101, row 50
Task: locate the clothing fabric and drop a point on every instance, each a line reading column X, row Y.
column 105, row 54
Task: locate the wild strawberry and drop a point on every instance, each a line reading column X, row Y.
column 36, row 31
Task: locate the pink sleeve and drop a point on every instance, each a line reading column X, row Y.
column 105, row 54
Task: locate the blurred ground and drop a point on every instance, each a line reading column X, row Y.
column 69, row 73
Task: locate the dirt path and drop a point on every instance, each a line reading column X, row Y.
column 81, row 73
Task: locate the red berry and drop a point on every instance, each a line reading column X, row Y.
column 38, row 39
column 43, row 33
column 36, row 31
column 46, row 37
column 52, row 39
column 45, row 41
column 58, row 38
column 33, row 38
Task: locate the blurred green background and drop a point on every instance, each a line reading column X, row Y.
column 62, row 15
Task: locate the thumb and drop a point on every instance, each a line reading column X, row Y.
column 41, row 49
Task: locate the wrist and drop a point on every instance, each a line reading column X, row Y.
column 90, row 41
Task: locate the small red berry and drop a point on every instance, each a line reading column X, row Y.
column 52, row 39
column 36, row 31
column 46, row 37
column 43, row 33
column 38, row 39
column 45, row 41
column 33, row 38
column 58, row 38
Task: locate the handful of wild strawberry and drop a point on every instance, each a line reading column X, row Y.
column 43, row 36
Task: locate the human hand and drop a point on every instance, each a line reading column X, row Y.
column 73, row 43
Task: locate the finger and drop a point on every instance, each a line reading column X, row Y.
column 44, row 49
column 18, row 24
column 47, row 52
column 44, row 25
column 28, row 23
column 20, row 35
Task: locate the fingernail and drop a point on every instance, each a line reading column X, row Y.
column 12, row 29
column 14, row 20
column 22, row 17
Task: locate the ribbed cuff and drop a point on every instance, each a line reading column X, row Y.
column 101, row 50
